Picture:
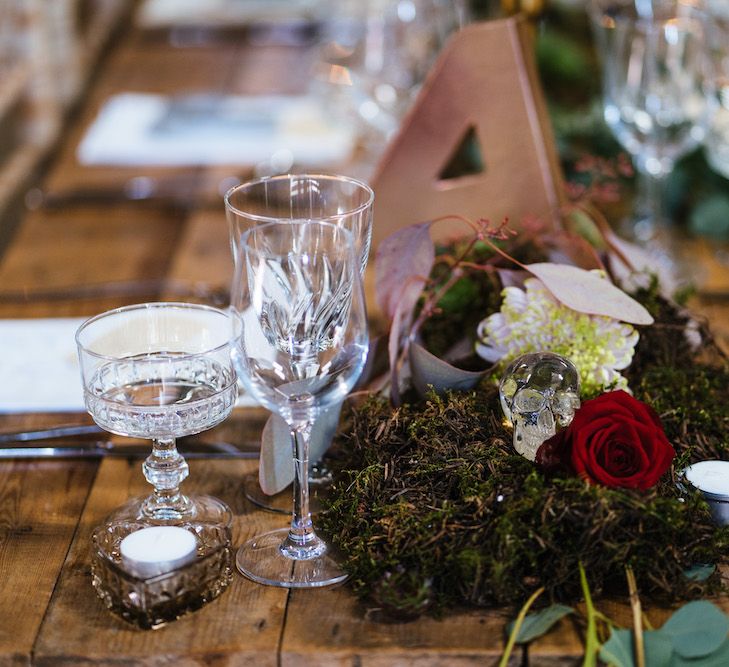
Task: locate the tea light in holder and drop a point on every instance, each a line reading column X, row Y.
column 712, row 479
column 153, row 551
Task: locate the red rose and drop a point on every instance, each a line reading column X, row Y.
column 614, row 440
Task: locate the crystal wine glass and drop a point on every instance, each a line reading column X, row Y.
column 340, row 200
column 657, row 90
column 374, row 57
column 299, row 344
column 160, row 371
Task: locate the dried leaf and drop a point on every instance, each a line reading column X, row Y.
column 403, row 263
column 587, row 292
column 428, row 370
column 276, row 467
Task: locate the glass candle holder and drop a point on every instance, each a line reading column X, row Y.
column 135, row 592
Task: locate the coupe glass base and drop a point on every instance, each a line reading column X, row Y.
column 202, row 510
column 261, row 560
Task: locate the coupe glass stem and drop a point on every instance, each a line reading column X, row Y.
column 302, row 542
column 165, row 469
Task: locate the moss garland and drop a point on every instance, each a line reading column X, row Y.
column 431, row 507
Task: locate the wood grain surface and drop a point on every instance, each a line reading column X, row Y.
column 40, row 502
column 82, row 229
column 240, row 627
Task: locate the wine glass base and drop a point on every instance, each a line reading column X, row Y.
column 203, row 509
column 261, row 560
column 281, row 502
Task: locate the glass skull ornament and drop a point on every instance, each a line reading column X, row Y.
column 538, row 392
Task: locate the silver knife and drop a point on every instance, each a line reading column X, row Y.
column 99, row 448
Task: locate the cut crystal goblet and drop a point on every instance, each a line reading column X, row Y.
column 160, row 371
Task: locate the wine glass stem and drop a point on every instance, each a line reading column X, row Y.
column 165, row 469
column 649, row 216
column 302, row 542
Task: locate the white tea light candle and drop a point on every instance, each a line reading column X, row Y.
column 712, row 479
column 150, row 552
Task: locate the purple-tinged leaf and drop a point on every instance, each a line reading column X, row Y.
column 393, row 350
column 575, row 250
column 402, row 265
column 428, row 370
column 587, row 292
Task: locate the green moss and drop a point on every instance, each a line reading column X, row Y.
column 432, row 508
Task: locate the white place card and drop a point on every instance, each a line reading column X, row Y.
column 135, row 129
column 39, row 371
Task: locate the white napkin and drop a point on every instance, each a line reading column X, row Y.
column 142, row 129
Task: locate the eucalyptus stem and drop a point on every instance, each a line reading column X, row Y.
column 517, row 627
column 592, row 644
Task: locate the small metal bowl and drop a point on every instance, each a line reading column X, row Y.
column 712, row 479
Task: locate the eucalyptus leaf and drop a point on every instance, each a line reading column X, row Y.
column 719, row 658
column 402, row 265
column 699, row 572
column 618, row 650
column 697, row 629
column 658, row 648
column 586, row 292
column 429, row 371
column 539, row 623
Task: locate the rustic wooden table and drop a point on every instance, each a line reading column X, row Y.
column 88, row 235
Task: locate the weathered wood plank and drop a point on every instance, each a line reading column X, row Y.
column 40, row 502
column 329, row 628
column 78, row 247
column 241, row 627
column 204, row 254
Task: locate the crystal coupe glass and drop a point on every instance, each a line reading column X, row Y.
column 160, row 371
column 340, row 200
column 300, row 342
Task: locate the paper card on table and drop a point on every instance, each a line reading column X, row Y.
column 40, row 371
column 483, row 97
column 40, row 368
column 156, row 14
column 143, row 129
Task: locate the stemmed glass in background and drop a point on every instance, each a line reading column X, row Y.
column 717, row 140
column 374, row 57
column 300, row 342
column 160, row 371
column 657, row 91
column 340, row 200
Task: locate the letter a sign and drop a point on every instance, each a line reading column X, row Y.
column 477, row 141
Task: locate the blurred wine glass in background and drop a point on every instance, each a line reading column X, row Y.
column 374, row 57
column 717, row 141
column 658, row 96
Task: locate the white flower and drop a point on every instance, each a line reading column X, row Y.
column 532, row 320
